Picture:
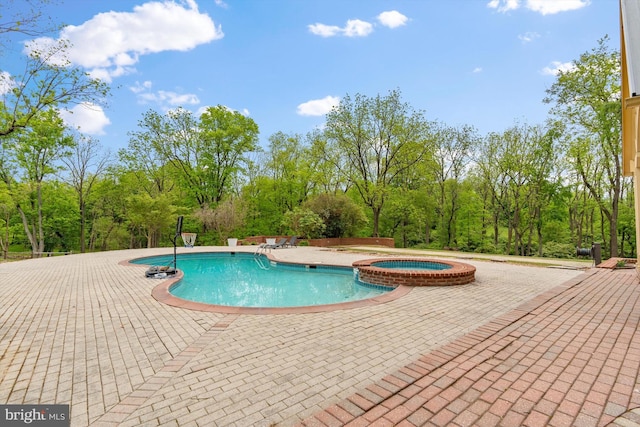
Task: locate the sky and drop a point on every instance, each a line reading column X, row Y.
column 286, row 63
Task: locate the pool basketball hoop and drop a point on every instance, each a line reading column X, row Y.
column 189, row 239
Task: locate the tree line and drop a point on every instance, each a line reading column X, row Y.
column 379, row 167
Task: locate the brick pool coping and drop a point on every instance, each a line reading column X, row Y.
column 161, row 293
column 459, row 273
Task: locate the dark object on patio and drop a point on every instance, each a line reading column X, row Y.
column 292, row 242
column 159, row 272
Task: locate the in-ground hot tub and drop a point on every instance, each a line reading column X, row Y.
column 414, row 272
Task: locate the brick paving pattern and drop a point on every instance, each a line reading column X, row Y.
column 520, row 345
column 568, row 357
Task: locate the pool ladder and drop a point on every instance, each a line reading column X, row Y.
column 260, row 262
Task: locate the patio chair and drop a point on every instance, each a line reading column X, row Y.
column 292, row 242
column 279, row 244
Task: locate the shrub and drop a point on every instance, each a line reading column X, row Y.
column 342, row 217
column 304, row 223
column 558, row 250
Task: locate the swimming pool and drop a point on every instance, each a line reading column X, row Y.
column 246, row 280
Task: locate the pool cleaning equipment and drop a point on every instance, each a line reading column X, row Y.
column 160, row 272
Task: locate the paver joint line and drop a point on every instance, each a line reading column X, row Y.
column 129, row 404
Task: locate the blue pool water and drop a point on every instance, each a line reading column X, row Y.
column 244, row 280
column 411, row 265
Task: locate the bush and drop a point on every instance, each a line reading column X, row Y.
column 558, row 250
column 304, row 223
column 342, row 217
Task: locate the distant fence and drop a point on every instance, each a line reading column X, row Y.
column 353, row 241
column 334, row 241
column 27, row 255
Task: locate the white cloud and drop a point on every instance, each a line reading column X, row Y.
column 392, row 19
column 88, row 118
column 174, row 99
column 504, row 5
column 477, row 70
column 318, row 107
column 353, row 28
column 110, row 43
column 556, row 67
column 141, row 87
column 357, row 28
column 528, row 37
column 324, row 30
column 165, row 98
column 203, row 109
column 6, row 82
column 550, row 7
column 544, row 7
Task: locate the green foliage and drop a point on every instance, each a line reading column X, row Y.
column 304, row 223
column 558, row 250
column 403, row 218
column 377, row 168
column 150, row 218
column 341, row 216
column 44, row 86
column 60, row 214
column 225, row 219
column 370, row 141
column 202, row 155
column 586, row 103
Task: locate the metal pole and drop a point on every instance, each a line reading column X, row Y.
column 175, row 240
column 596, row 253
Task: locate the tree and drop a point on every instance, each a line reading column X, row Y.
column 342, row 217
column 26, row 18
column 7, row 206
column 516, row 170
column 377, row 138
column 35, row 153
column 48, row 81
column 149, row 216
column 403, row 218
column 228, row 136
column 453, row 147
column 203, row 155
column 107, row 213
column 586, row 99
column 226, row 218
column 323, row 158
column 84, row 165
column 288, row 165
column 304, row 223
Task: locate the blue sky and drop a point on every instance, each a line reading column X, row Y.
column 284, row 63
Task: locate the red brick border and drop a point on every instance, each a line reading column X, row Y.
column 458, row 274
column 612, row 263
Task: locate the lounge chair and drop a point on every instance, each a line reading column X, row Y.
column 292, row 242
column 279, row 244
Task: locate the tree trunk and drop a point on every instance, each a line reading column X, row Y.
column 40, row 230
column 376, row 220
column 427, row 233
column 27, row 230
column 82, row 225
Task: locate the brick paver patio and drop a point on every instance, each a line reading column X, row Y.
column 522, row 345
column 568, row 357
